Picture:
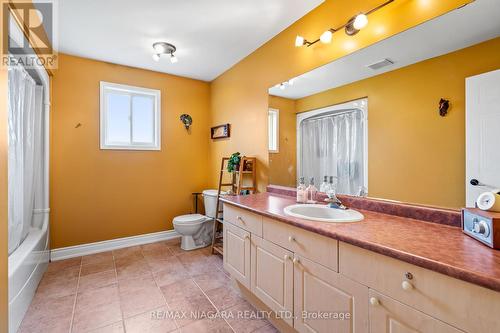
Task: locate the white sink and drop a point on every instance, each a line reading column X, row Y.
column 323, row 213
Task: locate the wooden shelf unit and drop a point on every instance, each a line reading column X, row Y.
column 236, row 186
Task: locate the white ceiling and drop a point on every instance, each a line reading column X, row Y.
column 472, row 24
column 210, row 35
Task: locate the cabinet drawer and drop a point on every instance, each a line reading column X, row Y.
column 236, row 258
column 243, row 219
column 464, row 305
column 388, row 315
column 307, row 244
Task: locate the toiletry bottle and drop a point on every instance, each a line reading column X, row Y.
column 301, row 191
column 362, row 191
column 311, row 192
column 324, row 186
column 332, row 185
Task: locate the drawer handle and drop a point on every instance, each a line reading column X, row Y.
column 296, row 260
column 291, row 239
column 406, row 285
column 287, row 257
column 246, row 237
column 240, row 219
column 374, row 301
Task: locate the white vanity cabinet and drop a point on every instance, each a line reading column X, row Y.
column 326, row 301
column 272, row 277
column 293, row 272
column 320, row 281
column 466, row 306
column 237, row 253
column 389, row 316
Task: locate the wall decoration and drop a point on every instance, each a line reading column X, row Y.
column 444, row 105
column 219, row 132
column 186, row 120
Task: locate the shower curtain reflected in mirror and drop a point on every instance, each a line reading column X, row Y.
column 25, row 168
column 332, row 145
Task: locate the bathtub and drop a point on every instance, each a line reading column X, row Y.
column 30, row 260
column 26, row 267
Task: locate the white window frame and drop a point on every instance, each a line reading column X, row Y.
column 130, row 90
column 277, row 134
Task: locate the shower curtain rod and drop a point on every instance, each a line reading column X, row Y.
column 331, row 114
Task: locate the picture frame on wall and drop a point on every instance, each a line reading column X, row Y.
column 220, row 132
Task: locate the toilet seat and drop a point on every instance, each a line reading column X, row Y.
column 189, row 219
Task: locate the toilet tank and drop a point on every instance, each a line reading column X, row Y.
column 210, row 200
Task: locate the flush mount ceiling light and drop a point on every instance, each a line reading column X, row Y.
column 352, row 27
column 164, row 48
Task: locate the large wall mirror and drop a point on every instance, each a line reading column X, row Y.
column 375, row 122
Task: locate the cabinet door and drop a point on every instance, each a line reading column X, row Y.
column 326, row 301
column 390, row 316
column 272, row 277
column 237, row 253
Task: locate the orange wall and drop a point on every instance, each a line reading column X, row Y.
column 414, row 154
column 3, row 203
column 102, row 194
column 239, row 96
column 282, row 164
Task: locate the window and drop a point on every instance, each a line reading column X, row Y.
column 273, row 128
column 130, row 117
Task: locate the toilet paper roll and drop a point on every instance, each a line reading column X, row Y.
column 489, row 201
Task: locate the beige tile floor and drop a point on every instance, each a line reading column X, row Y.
column 149, row 288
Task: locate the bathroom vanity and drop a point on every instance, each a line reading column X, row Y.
column 387, row 273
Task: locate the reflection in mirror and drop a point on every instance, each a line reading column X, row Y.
column 332, row 143
column 372, row 122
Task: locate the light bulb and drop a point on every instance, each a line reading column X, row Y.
column 290, row 82
column 360, row 22
column 173, row 59
column 326, row 37
column 156, row 57
column 299, row 41
column 159, row 48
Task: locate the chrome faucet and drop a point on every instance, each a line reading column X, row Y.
column 333, row 201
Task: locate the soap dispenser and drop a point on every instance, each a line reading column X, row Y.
column 311, row 191
column 301, row 191
column 333, row 185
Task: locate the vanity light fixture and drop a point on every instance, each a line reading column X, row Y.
column 360, row 21
column 164, row 48
column 352, row 27
column 299, row 41
column 326, row 37
column 285, row 84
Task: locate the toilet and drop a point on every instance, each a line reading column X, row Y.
column 196, row 229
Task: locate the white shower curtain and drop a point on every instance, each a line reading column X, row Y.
column 332, row 145
column 25, row 100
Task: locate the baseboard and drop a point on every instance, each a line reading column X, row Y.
column 112, row 244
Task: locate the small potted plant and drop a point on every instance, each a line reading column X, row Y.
column 234, row 162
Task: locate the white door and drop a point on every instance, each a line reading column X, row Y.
column 482, row 133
